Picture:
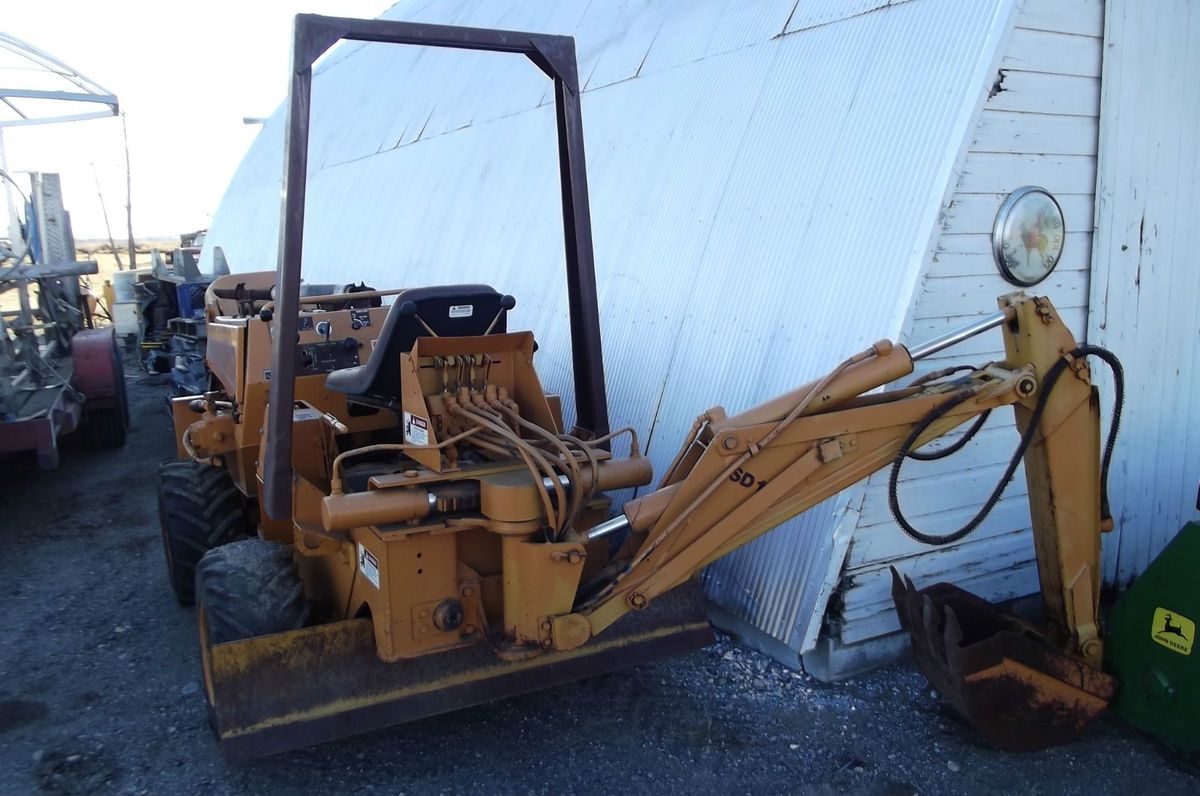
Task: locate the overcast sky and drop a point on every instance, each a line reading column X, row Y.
column 186, row 73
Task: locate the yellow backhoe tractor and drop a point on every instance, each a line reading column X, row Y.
column 207, row 500
column 427, row 534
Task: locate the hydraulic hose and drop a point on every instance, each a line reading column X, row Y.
column 961, row 442
column 956, row 446
column 1048, row 383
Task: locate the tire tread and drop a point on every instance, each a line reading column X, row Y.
column 250, row 588
column 200, row 509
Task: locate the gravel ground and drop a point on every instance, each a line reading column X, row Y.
column 99, row 691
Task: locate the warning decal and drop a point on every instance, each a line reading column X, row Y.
column 368, row 565
column 416, row 429
column 1173, row 631
column 462, row 310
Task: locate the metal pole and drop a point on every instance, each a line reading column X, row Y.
column 591, row 402
column 277, row 464
column 14, row 222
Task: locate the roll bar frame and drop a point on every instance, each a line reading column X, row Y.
column 555, row 56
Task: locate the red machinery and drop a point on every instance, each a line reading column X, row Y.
column 54, row 370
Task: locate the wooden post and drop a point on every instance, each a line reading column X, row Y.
column 128, row 196
column 112, row 244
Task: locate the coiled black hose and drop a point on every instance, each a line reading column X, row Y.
column 961, row 442
column 1052, row 375
column 958, row 444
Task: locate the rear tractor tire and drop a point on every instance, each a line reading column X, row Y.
column 107, row 426
column 199, row 509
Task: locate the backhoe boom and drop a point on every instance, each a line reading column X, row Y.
column 738, row 477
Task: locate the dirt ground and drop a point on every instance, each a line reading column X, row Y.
column 99, row 691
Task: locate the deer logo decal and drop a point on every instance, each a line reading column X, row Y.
column 1173, row 631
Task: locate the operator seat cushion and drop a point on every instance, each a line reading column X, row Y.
column 450, row 311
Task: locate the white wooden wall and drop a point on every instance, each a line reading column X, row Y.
column 1146, row 284
column 1037, row 125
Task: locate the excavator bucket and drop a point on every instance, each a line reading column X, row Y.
column 289, row 690
column 997, row 671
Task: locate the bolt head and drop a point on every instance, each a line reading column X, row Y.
column 729, row 442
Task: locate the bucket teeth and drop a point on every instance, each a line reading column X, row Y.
column 929, row 628
column 952, row 635
column 902, row 587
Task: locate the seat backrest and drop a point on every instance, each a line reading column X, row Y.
column 449, row 310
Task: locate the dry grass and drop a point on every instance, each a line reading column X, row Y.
column 89, row 248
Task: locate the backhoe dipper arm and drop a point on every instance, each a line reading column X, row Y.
column 737, row 477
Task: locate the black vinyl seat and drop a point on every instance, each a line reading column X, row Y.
column 449, row 310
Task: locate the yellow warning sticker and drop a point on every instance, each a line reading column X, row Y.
column 1173, row 631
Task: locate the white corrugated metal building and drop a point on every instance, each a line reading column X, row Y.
column 774, row 185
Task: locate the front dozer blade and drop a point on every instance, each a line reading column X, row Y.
column 289, row 690
column 997, row 671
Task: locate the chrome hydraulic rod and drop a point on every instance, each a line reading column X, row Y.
column 956, row 336
column 617, row 523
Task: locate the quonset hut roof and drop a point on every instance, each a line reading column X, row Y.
column 765, row 180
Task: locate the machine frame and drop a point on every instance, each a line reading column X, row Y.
column 555, row 56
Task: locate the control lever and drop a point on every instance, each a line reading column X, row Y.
column 506, row 303
column 338, row 426
column 409, row 309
